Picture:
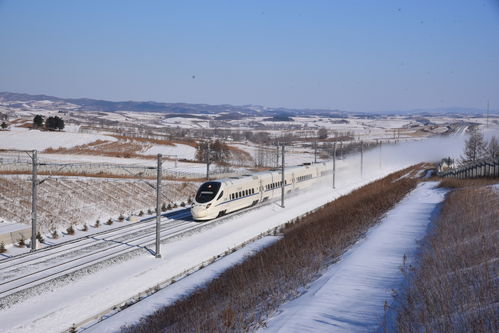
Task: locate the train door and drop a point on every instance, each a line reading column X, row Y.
column 261, row 190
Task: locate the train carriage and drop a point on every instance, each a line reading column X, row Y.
column 219, row 197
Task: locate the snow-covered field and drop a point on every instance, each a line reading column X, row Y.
column 178, row 151
column 26, row 139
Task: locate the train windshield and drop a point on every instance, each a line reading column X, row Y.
column 207, row 192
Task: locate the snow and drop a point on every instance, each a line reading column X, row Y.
column 25, row 139
column 179, row 289
column 8, row 227
column 180, row 150
column 350, row 296
column 96, row 293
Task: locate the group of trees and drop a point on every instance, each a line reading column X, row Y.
column 476, row 147
column 214, row 152
column 4, row 125
column 52, row 123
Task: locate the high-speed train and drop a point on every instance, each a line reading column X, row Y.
column 219, row 197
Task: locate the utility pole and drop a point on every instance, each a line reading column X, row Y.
column 208, row 153
column 361, row 160
column 282, row 177
column 334, row 165
column 277, row 156
column 158, row 208
column 315, row 151
column 380, row 159
column 341, row 150
column 487, row 114
column 34, row 188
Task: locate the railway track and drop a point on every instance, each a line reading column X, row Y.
column 31, row 269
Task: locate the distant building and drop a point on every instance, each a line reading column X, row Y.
column 445, row 164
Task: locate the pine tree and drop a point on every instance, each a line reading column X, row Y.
column 38, row 121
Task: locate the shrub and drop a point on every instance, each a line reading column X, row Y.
column 85, row 227
column 97, row 224
column 70, row 230
column 141, row 213
column 54, row 234
column 2, row 247
column 109, row 222
column 175, row 205
column 169, row 207
column 149, row 211
column 163, row 207
column 189, row 201
column 39, row 237
column 182, row 204
column 121, row 218
column 21, row 242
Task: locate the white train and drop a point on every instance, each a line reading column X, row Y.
column 219, row 197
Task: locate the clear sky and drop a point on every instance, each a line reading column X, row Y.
column 338, row 54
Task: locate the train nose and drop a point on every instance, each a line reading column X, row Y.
column 198, row 211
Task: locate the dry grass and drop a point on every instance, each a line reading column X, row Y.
column 121, row 149
column 454, row 288
column 460, row 183
column 191, row 143
column 242, row 297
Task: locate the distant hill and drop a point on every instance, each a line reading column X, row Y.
column 231, row 111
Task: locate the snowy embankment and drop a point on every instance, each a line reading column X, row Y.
column 178, row 290
column 350, row 296
column 25, row 139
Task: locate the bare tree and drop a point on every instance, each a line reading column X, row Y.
column 493, row 148
column 322, row 133
column 475, row 146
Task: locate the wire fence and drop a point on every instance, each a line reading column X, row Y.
column 23, row 165
column 479, row 169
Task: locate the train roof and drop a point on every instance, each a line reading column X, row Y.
column 243, row 178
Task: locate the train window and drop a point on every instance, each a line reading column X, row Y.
column 207, row 192
column 221, row 193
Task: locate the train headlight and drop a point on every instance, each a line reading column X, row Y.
column 208, row 205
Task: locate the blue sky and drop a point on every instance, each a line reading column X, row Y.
column 350, row 55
